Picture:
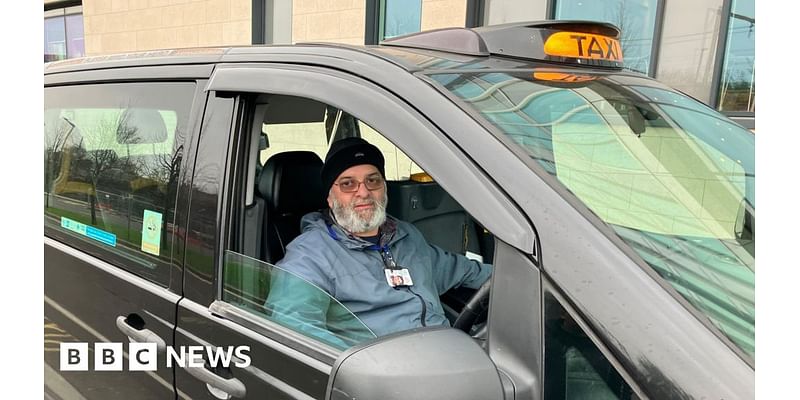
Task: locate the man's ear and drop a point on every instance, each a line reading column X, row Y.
column 330, row 200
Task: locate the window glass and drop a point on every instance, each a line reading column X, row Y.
column 293, row 123
column 320, row 126
column 399, row 167
column 55, row 47
column 273, row 293
column 635, row 18
column 294, row 136
column 738, row 85
column 686, row 56
column 671, row 176
column 574, row 368
column 112, row 160
column 401, row 17
column 74, row 30
column 63, row 36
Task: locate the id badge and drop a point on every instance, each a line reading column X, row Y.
column 398, row 277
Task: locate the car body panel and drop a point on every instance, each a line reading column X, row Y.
column 91, row 318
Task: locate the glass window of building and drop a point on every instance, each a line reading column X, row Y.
column 63, row 34
column 737, row 91
column 400, row 17
column 636, row 19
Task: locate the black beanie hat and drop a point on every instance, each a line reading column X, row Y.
column 347, row 153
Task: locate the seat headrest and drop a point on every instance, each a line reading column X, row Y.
column 290, row 182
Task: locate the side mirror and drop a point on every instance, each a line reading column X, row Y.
column 427, row 363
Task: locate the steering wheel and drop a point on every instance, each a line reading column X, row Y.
column 477, row 306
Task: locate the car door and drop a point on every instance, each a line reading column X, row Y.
column 114, row 154
column 205, row 319
column 222, row 308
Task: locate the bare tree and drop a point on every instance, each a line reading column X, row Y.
column 55, row 140
column 164, row 169
column 629, row 24
column 106, row 136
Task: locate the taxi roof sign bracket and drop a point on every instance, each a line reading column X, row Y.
column 595, row 43
column 451, row 40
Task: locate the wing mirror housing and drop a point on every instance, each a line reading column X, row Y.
column 427, row 363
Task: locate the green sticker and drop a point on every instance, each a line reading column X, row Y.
column 151, row 232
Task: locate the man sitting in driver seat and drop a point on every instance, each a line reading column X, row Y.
column 378, row 267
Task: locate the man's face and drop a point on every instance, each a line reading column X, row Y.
column 362, row 211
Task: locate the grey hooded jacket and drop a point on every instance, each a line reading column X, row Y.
column 351, row 270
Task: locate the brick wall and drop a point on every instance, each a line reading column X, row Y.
column 443, row 14
column 112, row 26
column 341, row 21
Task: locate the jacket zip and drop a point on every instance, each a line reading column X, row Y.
column 421, row 300
column 389, row 263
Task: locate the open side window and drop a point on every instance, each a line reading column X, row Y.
column 263, row 289
column 287, row 138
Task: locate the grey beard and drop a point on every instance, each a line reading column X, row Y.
column 348, row 218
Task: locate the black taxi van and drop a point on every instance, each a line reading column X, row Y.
column 619, row 216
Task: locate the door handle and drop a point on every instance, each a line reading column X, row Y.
column 232, row 387
column 140, row 335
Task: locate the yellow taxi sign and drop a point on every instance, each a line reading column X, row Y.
column 583, row 45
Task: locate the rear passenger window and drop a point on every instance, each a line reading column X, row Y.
column 399, row 167
column 112, row 160
column 285, row 129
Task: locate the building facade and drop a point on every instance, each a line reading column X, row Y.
column 705, row 48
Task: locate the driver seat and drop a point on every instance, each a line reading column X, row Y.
column 291, row 186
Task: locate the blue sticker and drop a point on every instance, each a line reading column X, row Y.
column 101, row 236
column 89, row 231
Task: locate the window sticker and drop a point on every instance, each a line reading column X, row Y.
column 89, row 231
column 151, row 232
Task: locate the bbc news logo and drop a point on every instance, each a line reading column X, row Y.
column 145, row 356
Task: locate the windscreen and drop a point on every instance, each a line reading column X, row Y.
column 672, row 177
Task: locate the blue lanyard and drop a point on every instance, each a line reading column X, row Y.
column 388, row 260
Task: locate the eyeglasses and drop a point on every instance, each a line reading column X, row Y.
column 350, row 185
